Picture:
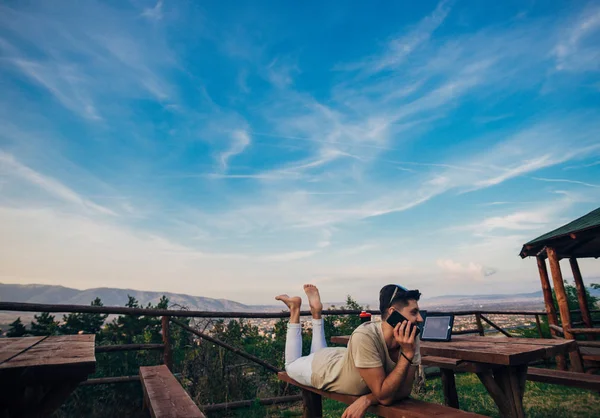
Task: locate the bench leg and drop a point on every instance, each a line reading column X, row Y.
column 313, row 407
column 449, row 384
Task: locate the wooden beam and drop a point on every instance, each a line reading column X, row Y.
column 107, row 380
column 120, row 310
column 127, row 347
column 595, row 331
column 547, row 291
column 466, row 331
column 167, row 354
column 313, row 404
column 563, row 306
column 248, row 403
column 561, row 360
column 449, row 388
column 231, row 348
column 495, row 326
column 581, row 295
column 479, row 324
column 538, row 325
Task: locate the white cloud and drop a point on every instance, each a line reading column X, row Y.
column 280, row 73
column 470, row 269
column 13, row 168
column 239, row 141
column 402, row 46
column 583, row 183
column 88, row 71
column 577, row 49
column 62, row 82
column 154, row 13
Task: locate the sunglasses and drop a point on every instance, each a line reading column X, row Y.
column 398, row 287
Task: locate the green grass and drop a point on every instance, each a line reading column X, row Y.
column 541, row 401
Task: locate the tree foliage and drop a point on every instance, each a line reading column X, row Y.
column 86, row 323
column 17, row 329
column 44, row 324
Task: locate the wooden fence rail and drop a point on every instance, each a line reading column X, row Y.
column 122, row 310
column 128, row 347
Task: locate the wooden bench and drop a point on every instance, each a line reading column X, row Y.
column 164, row 396
column 407, row 408
column 560, row 377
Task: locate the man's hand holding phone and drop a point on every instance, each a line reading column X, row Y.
column 405, row 333
column 406, row 336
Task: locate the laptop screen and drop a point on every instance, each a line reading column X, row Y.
column 437, row 327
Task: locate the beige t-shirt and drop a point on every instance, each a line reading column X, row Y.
column 335, row 368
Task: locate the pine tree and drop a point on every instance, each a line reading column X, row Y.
column 44, row 324
column 87, row 323
column 136, row 329
column 17, row 329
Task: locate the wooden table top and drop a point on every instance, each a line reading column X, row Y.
column 53, row 351
column 491, row 350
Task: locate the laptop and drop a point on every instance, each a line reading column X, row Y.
column 436, row 326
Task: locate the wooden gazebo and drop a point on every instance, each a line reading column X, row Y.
column 577, row 239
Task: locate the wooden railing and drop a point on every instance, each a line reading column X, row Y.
column 168, row 316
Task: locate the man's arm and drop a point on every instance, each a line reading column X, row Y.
column 407, row 385
column 359, row 407
column 385, row 388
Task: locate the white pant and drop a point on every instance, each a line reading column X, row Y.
column 300, row 368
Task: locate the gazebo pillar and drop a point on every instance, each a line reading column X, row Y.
column 563, row 306
column 581, row 295
column 550, row 309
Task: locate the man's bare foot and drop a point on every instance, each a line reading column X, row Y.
column 293, row 303
column 314, row 300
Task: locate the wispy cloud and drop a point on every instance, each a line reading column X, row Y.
column 115, row 66
column 565, row 181
column 577, row 49
column 239, row 141
column 470, row 269
column 402, row 46
column 12, row 167
column 154, row 13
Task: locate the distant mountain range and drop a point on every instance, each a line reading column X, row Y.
column 37, row 293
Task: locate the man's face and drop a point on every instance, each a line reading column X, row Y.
column 410, row 311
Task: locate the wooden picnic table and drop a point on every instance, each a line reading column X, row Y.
column 504, row 362
column 37, row 374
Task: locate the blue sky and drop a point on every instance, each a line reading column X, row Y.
column 240, row 151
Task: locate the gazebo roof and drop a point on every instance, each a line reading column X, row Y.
column 579, row 238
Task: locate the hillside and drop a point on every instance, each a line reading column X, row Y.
column 36, row 293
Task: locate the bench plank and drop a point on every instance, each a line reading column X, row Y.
column 455, row 364
column 164, row 396
column 407, row 408
column 565, row 378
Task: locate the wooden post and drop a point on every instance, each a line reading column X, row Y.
column 313, row 405
column 479, row 324
column 581, row 296
column 538, row 325
column 449, row 387
column 563, row 306
column 561, row 361
column 167, row 356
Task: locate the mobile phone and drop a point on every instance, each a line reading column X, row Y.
column 396, row 317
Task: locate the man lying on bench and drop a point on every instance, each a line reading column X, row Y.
column 379, row 362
